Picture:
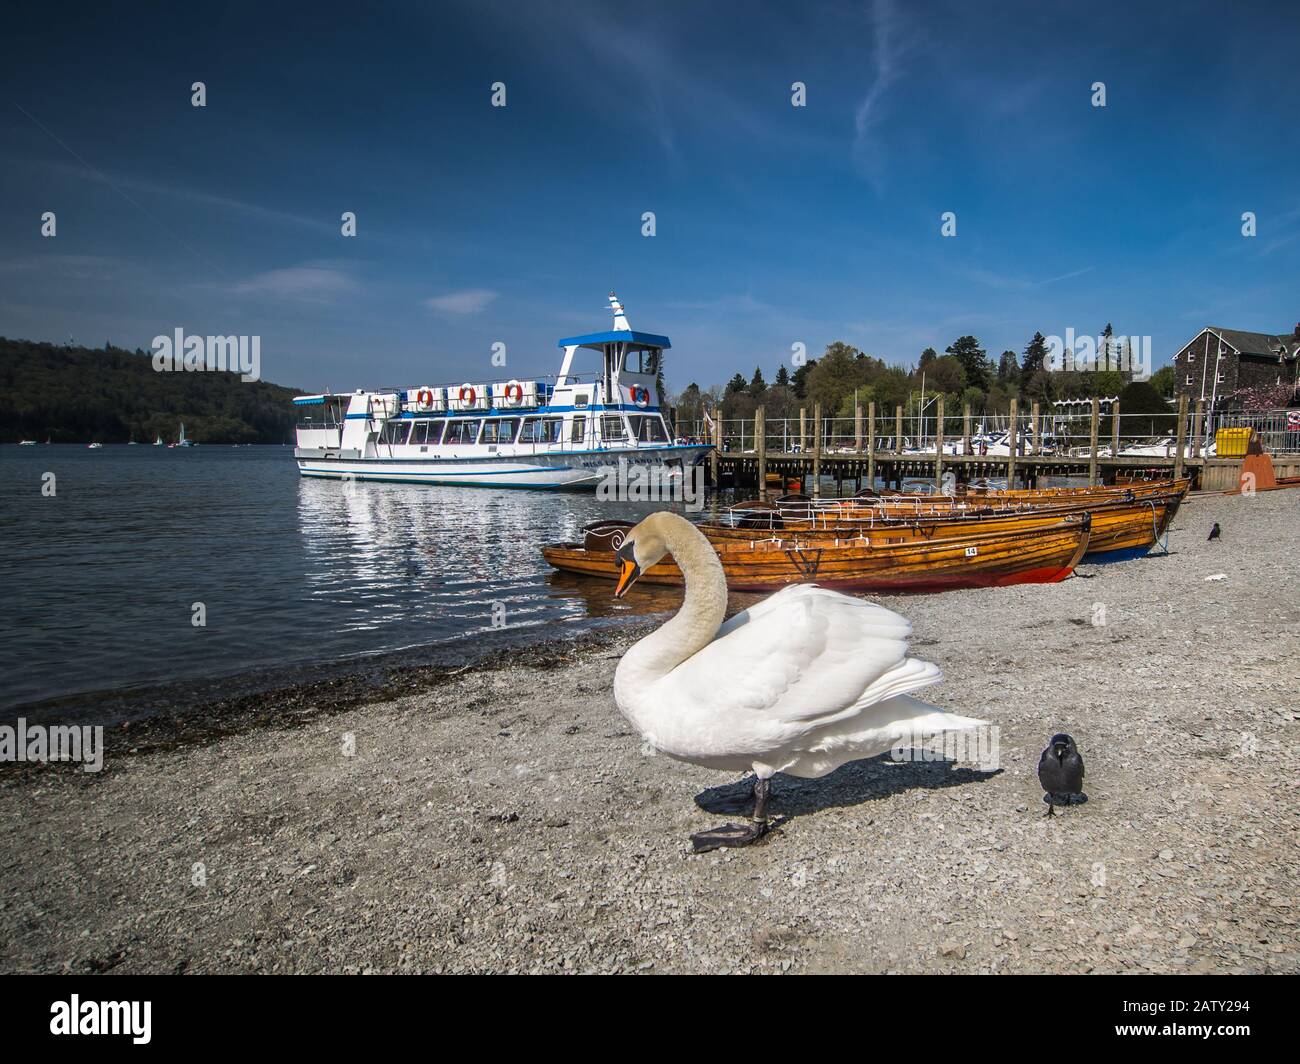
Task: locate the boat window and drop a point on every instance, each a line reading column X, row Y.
column 423, row 432
column 395, row 431
column 578, row 432
column 642, row 362
column 611, row 428
column 462, row 430
column 542, row 430
column 648, row 429
column 499, row 430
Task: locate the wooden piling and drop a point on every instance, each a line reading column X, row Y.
column 938, row 443
column 1198, row 424
column 760, row 449
column 1035, row 430
column 871, row 445
column 857, row 429
column 965, row 429
column 1092, row 445
column 1012, row 441
column 817, row 451
column 803, row 430
column 1181, row 437
column 898, row 430
column 1114, row 429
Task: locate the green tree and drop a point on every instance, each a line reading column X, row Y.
column 1143, row 412
column 757, row 386
column 839, row 371
column 946, row 375
column 1035, row 360
column 1104, row 353
column 1163, row 381
column 974, row 360
column 1008, row 369
column 782, row 376
column 800, row 380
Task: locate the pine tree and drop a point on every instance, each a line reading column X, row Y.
column 782, row 376
column 736, row 384
column 1103, row 348
column 1008, row 369
column 1035, row 359
column 757, row 386
column 974, row 360
column 800, row 379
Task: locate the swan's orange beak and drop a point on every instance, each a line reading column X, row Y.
column 627, row 575
column 628, row 570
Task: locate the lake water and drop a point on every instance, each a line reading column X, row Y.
column 101, row 579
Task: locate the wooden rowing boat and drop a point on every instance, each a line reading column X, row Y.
column 1121, row 529
column 758, row 513
column 987, row 559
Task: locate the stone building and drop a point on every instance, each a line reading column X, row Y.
column 1217, row 365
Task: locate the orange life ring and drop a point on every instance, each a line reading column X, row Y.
column 514, row 393
column 640, row 396
column 468, row 394
column 424, row 397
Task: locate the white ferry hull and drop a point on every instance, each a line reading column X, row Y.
column 578, row 469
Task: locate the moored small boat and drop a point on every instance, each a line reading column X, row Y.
column 868, row 562
column 1122, row 529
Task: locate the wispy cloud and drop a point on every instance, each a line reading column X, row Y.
column 310, row 281
column 465, row 301
column 888, row 48
column 189, row 194
column 1008, row 283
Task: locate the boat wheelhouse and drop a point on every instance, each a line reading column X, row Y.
column 529, row 433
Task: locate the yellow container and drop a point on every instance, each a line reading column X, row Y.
column 1232, row 443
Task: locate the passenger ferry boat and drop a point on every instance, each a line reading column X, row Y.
column 517, row 433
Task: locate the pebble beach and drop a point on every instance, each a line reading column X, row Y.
column 503, row 817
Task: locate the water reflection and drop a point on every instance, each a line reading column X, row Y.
column 430, row 562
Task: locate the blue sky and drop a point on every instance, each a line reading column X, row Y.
column 775, row 224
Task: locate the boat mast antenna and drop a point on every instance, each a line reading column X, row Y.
column 620, row 318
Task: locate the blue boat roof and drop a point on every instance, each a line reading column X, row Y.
column 615, row 336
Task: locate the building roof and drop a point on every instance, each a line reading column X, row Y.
column 1263, row 344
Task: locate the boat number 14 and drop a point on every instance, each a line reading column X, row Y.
column 972, row 551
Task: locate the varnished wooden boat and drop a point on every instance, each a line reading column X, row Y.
column 872, row 506
column 1121, row 529
column 1140, row 487
column 987, row 559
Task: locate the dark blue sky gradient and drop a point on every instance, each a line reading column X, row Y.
column 775, row 224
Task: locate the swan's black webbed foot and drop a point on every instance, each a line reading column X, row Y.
column 729, row 835
column 738, row 834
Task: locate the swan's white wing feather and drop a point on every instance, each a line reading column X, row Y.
column 802, row 659
column 757, row 610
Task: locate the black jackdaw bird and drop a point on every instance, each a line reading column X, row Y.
column 1214, row 532
column 1060, row 771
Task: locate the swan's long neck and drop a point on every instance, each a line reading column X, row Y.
column 695, row 624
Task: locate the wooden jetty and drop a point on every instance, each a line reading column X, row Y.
column 866, row 460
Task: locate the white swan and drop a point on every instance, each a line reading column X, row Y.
column 801, row 682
